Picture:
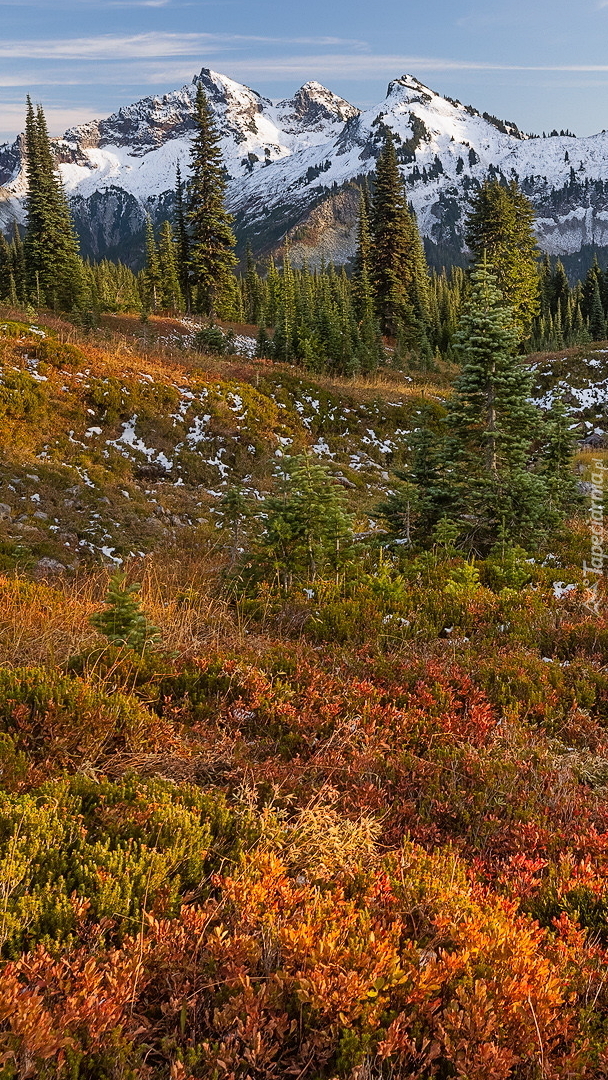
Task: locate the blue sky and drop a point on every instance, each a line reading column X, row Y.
column 541, row 63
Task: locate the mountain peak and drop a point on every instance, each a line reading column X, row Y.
column 407, row 86
column 313, row 104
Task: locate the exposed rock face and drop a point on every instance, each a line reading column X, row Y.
column 329, row 231
column 291, row 165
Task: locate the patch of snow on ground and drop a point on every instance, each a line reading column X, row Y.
column 322, row 449
column 130, row 439
column 197, row 432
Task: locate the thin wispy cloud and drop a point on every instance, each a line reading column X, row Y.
column 353, row 59
column 371, row 66
column 58, row 118
column 154, row 43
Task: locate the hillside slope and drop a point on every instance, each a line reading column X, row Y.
column 348, row 828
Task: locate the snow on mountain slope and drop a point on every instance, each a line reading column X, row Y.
column 285, row 159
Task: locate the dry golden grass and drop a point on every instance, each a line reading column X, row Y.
column 42, row 623
column 585, row 462
column 124, row 347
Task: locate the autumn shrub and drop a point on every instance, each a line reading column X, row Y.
column 21, row 397
column 58, row 354
column 81, row 851
column 51, row 714
column 406, row 966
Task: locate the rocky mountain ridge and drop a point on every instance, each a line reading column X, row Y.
column 292, row 165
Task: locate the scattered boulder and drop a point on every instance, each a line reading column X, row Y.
column 47, row 565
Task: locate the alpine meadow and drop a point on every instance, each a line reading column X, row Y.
column 303, row 595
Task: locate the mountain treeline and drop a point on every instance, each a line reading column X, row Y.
column 386, row 307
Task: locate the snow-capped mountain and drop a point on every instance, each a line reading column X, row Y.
column 291, row 166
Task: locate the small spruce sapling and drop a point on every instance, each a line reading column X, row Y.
column 123, row 622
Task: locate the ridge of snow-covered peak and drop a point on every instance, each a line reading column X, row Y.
column 313, row 116
column 142, row 126
column 313, row 107
column 150, row 122
column 10, row 161
column 408, row 88
column 235, row 100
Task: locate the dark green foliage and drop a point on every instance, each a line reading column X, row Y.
column 491, row 425
column 500, row 228
column 499, row 472
column 53, row 268
column 112, row 287
column 182, row 239
column 398, row 267
column 152, row 274
column 557, row 448
column 168, row 260
column 597, row 320
column 6, row 269
column 253, row 291
column 422, row 499
column 212, row 339
column 211, row 258
column 123, row 622
column 307, row 529
column 318, row 319
column 370, row 351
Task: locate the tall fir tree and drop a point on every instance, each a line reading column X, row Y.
column 54, row 273
column 6, row 268
column 151, row 275
column 369, row 349
column 286, row 323
column 168, row 258
column 492, row 425
column 597, row 318
column 211, row 256
column 182, row 239
column 398, row 266
column 18, row 265
column 500, row 227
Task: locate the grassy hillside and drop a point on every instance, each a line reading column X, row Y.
column 353, row 831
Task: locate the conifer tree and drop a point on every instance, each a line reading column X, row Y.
column 369, row 349
column 18, row 264
column 283, row 342
column 254, row 299
column 399, row 273
column 211, row 257
column 123, row 622
column 597, row 321
column 170, row 290
column 500, row 227
column 559, row 288
column 362, row 269
column 422, row 497
column 5, row 268
column 592, row 283
column 152, row 278
column 307, row 529
column 491, row 425
column 53, row 268
column 182, row 239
